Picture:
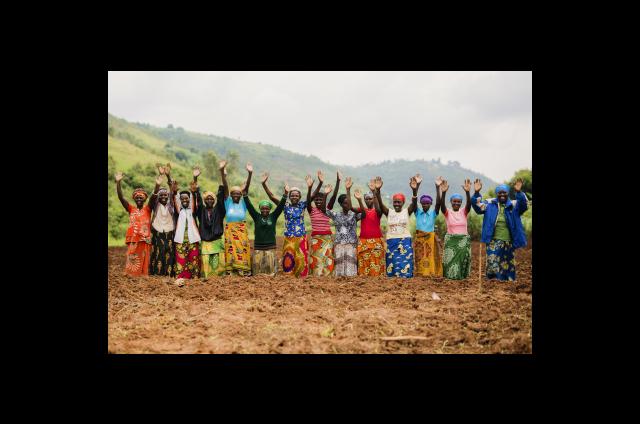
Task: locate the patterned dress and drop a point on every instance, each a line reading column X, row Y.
column 399, row 255
column 345, row 242
column 371, row 247
column 321, row 262
column 138, row 239
column 294, row 251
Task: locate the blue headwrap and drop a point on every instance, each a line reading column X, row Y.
column 455, row 196
column 502, row 187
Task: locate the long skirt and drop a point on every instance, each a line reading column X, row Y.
column 264, row 262
column 162, row 253
column 237, row 255
column 399, row 257
column 138, row 254
column 294, row 256
column 346, row 260
column 212, row 257
column 457, row 256
column 501, row 263
column 187, row 259
column 321, row 261
column 428, row 258
column 371, row 256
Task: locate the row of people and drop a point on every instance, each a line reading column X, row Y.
column 186, row 234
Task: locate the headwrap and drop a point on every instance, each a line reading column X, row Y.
column 265, row 203
column 502, row 187
column 368, row 194
column 455, row 196
column 426, row 197
column 163, row 189
column 235, row 188
column 399, row 196
column 295, row 189
column 137, row 191
column 209, row 193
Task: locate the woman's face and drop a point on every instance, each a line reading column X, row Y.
column 139, row 199
column 503, row 196
column 456, row 203
column 368, row 200
column 264, row 211
column 425, row 205
column 209, row 201
column 397, row 204
column 163, row 198
column 294, row 197
column 184, row 200
column 319, row 199
column 235, row 196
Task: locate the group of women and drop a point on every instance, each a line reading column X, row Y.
column 186, row 234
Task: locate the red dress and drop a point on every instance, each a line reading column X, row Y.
column 138, row 241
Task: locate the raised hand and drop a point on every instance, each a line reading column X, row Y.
column 196, row 171
column 444, row 186
column 378, row 182
column 348, row 183
column 439, row 181
column 249, row 167
column 477, row 185
column 357, row 194
column 518, row 185
column 339, row 175
column 159, row 179
column 167, row 169
column 160, row 168
column 467, row 185
column 320, row 176
column 309, row 180
column 264, row 177
column 418, row 178
column 222, row 164
column 193, row 185
column 119, row 177
column 286, row 187
column 413, row 183
column 372, row 184
column 327, row 189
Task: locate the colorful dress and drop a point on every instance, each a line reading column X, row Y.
column 501, row 262
column 321, row 260
column 265, row 260
column 138, row 239
column 427, row 246
column 371, row 247
column 457, row 246
column 162, row 234
column 294, row 251
column 187, row 243
column 345, row 242
column 399, row 255
column 237, row 250
column 211, row 230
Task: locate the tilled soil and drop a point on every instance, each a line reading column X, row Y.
column 319, row 315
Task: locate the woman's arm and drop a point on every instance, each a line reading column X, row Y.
column 383, row 208
column 252, row 210
column 358, row 195
column 522, row 203
column 477, row 186
column 281, row 204
column 414, row 183
column 309, row 182
column 249, row 168
column 223, row 177
column 154, row 196
column 125, row 204
column 437, row 207
column 348, row 183
column 466, row 187
column 265, row 177
column 444, row 187
column 323, row 206
column 335, row 191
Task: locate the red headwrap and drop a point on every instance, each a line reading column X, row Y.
column 399, row 196
column 139, row 190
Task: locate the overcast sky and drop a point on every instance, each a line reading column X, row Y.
column 480, row 119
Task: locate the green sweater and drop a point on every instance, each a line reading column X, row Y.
column 501, row 231
column 265, row 228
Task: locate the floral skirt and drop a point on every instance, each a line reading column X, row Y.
column 321, row 261
column 428, row 259
column 457, row 256
column 187, row 260
column 264, row 262
column 162, row 253
column 138, row 254
column 294, row 256
column 371, row 256
column 346, row 260
column 399, row 257
column 237, row 255
column 501, row 263
column 212, row 256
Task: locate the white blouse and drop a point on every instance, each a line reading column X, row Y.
column 398, row 224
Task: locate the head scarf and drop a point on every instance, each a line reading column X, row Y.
column 368, row 194
column 163, row 190
column 209, row 193
column 295, row 189
column 426, row 197
column 502, row 187
column 455, row 196
column 265, row 203
column 399, row 196
column 235, row 188
column 139, row 191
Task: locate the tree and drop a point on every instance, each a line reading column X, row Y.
column 210, row 163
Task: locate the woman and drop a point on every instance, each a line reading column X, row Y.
column 163, row 224
column 138, row 237
column 399, row 255
column 427, row 249
column 457, row 243
column 187, row 238
column 346, row 241
column 321, row 245
column 502, row 229
column 265, row 260
column 295, row 248
column 210, row 214
column 237, row 250
column 370, row 244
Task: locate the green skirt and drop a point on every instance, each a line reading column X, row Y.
column 457, row 256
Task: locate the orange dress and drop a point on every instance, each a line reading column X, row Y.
column 138, row 241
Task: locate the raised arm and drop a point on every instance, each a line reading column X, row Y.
column 220, row 201
column 223, row 177
column 309, row 182
column 249, row 168
column 252, row 210
column 154, row 196
column 383, row 208
column 125, row 204
column 376, row 205
column 522, row 204
column 281, row 204
column 358, row 195
column 477, row 186
column 174, row 197
column 348, row 183
column 192, row 199
column 437, row 206
column 414, row 183
column 467, row 187
column 335, row 191
column 265, row 177
column 195, row 194
column 444, row 187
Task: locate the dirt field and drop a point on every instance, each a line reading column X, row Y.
column 319, row 315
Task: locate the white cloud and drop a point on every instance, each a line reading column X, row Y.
column 480, row 119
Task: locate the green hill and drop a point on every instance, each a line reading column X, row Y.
column 135, row 148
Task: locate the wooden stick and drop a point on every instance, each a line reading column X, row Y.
column 403, row 338
column 480, row 267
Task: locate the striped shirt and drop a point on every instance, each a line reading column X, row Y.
column 320, row 223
